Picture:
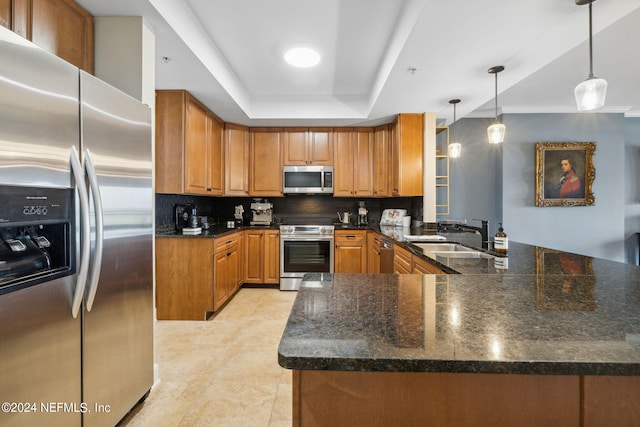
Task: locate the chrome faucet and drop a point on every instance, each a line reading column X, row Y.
column 483, row 231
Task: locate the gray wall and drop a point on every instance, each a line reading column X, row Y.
column 499, row 182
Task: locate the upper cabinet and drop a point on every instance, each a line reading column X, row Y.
column 61, row 27
column 406, row 137
column 353, row 169
column 189, row 149
column 304, row 146
column 381, row 162
column 236, row 160
column 265, row 160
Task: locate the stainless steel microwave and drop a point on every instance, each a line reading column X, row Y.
column 307, row 179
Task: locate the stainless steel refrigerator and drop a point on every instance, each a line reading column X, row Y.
column 76, row 294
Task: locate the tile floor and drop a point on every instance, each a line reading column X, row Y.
column 222, row 372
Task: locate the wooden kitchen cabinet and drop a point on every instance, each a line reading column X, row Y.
column 184, row 278
column 406, row 136
column 62, row 27
column 308, row 146
column 262, row 256
column 401, row 260
column 236, row 156
column 373, row 252
column 227, row 268
column 422, row 266
column 353, row 170
column 350, row 254
column 265, row 152
column 189, row 150
column 381, row 162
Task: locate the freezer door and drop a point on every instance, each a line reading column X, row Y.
column 40, row 357
column 118, row 315
column 38, row 114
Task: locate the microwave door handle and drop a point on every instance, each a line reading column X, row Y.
column 94, row 277
column 85, row 232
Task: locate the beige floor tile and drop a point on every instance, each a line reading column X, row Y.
column 222, row 372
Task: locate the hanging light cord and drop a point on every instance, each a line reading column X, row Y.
column 454, row 123
column 496, row 97
column 590, row 43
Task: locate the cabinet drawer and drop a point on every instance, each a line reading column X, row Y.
column 351, row 236
column 226, row 242
column 401, row 260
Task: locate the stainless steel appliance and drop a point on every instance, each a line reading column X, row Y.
column 304, row 249
column 77, row 316
column 307, row 179
column 261, row 213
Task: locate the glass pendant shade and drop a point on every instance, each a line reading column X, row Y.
column 455, row 149
column 590, row 94
column 495, row 132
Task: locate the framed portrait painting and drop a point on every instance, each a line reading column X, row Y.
column 565, row 173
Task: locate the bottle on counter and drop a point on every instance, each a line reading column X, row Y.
column 501, row 241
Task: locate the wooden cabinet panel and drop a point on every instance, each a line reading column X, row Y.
column 353, row 169
column 381, row 162
column 262, row 256
column 350, row 251
column 296, row 141
column 407, row 136
column 226, row 269
column 401, row 260
column 5, row 13
column 220, row 279
column 303, row 146
column 422, row 266
column 64, row 28
column 236, row 166
column 195, row 149
column 265, row 178
column 373, row 252
column 184, row 275
column 321, row 146
column 189, row 149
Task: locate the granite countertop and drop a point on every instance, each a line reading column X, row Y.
column 214, row 231
column 550, row 312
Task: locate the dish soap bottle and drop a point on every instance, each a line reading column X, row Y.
column 501, row 242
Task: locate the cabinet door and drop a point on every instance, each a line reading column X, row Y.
column 363, row 163
column 373, row 253
column 320, row 147
column 236, row 155
column 266, row 162
column 407, row 152
column 253, row 256
column 215, row 166
column 170, row 131
column 64, row 28
column 233, row 279
column 295, row 146
column 195, row 149
column 350, row 252
column 271, row 256
column 220, row 279
column 5, row 13
column 422, row 266
column 343, row 167
column 381, row 162
column 401, row 261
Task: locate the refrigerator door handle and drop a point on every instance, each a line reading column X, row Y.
column 85, row 232
column 94, row 277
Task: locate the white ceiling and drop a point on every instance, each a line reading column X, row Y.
column 229, row 55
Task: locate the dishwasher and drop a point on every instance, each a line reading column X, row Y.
column 386, row 256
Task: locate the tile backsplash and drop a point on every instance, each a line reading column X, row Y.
column 220, row 209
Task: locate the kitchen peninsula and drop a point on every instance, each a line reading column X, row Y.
column 554, row 339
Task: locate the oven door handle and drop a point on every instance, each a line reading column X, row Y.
column 305, row 239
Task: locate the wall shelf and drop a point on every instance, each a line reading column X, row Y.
column 442, row 170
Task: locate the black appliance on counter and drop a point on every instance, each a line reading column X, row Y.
column 183, row 215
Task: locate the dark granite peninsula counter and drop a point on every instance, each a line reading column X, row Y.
column 552, row 340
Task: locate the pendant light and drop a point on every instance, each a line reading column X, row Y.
column 497, row 129
column 455, row 148
column 590, row 93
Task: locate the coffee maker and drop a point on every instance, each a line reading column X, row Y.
column 261, row 212
column 363, row 214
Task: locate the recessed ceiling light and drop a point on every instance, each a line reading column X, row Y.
column 302, row 57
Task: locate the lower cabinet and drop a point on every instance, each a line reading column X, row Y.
column 262, row 256
column 227, row 265
column 350, row 254
column 404, row 262
column 422, row 266
column 196, row 276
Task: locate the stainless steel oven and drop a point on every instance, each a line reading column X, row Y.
column 304, row 249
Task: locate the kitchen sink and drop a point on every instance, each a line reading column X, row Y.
column 451, row 250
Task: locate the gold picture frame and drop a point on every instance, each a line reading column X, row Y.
column 565, row 173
